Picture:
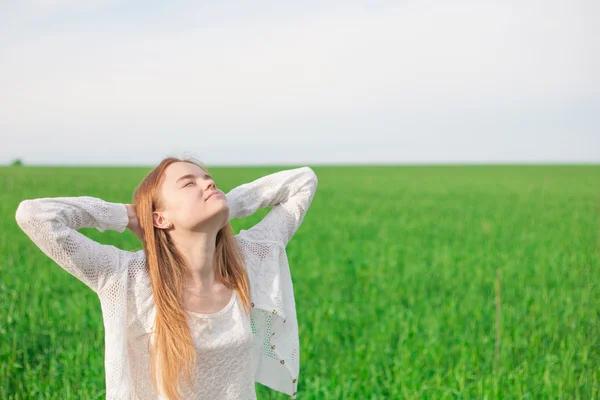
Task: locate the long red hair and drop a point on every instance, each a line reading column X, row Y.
column 173, row 355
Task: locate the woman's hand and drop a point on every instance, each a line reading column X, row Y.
column 134, row 224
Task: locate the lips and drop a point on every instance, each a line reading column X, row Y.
column 213, row 194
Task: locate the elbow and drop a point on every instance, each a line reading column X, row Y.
column 310, row 182
column 314, row 181
column 24, row 214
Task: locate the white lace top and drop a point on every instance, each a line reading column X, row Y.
column 224, row 368
column 121, row 280
column 224, row 346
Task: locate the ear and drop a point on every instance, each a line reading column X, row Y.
column 159, row 221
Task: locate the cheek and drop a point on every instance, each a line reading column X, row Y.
column 191, row 209
column 186, row 210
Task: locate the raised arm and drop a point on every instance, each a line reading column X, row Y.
column 52, row 223
column 290, row 192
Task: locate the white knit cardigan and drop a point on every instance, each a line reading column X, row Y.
column 121, row 281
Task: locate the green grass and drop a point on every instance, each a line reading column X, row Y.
column 394, row 274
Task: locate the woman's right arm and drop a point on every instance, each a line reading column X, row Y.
column 52, row 223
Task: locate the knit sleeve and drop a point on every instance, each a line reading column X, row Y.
column 52, row 223
column 290, row 192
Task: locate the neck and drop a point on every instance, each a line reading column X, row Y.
column 198, row 251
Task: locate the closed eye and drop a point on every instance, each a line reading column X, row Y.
column 189, row 183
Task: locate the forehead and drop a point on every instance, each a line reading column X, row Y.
column 178, row 169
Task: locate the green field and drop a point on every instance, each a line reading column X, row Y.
column 395, row 272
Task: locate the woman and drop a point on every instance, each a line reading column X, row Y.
column 200, row 312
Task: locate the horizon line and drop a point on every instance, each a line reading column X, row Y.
column 374, row 164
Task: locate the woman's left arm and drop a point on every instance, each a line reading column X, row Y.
column 290, row 192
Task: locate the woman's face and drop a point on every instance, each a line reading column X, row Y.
column 184, row 193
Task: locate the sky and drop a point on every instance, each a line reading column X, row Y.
column 300, row 83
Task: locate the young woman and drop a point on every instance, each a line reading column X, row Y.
column 199, row 313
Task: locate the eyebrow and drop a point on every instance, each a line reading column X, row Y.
column 191, row 176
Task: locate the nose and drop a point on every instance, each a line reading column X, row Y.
column 210, row 184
